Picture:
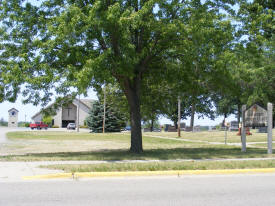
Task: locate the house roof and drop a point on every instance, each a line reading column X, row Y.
column 255, row 106
column 13, row 109
column 86, row 102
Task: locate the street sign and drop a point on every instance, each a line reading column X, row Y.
column 255, row 116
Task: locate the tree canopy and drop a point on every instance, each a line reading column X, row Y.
column 64, row 47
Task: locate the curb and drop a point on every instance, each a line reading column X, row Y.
column 147, row 173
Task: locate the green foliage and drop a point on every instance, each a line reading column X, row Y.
column 258, row 57
column 149, row 124
column 115, row 98
column 70, row 46
column 114, row 121
column 23, row 124
column 3, row 122
column 225, row 105
column 84, row 126
column 47, row 120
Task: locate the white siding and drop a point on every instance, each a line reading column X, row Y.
column 13, row 119
column 62, row 114
column 38, row 118
column 57, row 118
column 69, row 112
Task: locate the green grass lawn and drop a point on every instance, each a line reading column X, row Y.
column 263, row 145
column 60, row 135
column 47, row 145
column 49, row 136
column 199, row 152
column 214, row 136
column 158, row 166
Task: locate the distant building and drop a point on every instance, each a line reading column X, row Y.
column 68, row 114
column 13, row 117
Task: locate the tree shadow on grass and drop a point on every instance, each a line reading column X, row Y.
column 158, row 154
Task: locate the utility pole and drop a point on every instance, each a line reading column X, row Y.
column 179, row 116
column 225, row 131
column 78, row 112
column 243, row 131
column 104, row 110
column 269, row 127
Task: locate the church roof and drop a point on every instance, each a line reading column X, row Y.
column 13, row 109
column 87, row 102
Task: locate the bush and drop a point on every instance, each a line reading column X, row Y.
column 83, row 126
column 55, row 126
column 218, row 127
column 47, row 120
column 27, row 124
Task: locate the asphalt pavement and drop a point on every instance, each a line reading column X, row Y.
column 4, row 130
column 220, row 190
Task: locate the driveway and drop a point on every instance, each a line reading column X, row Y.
column 4, row 130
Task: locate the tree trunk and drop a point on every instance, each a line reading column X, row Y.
column 132, row 92
column 239, row 114
column 223, row 122
column 152, row 125
column 192, row 116
column 176, row 124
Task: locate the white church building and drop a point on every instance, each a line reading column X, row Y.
column 68, row 114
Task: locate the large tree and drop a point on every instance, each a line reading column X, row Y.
column 68, row 46
column 63, row 44
column 256, row 56
column 202, row 59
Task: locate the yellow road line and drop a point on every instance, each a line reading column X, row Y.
column 147, row 173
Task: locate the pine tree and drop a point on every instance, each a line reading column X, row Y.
column 114, row 121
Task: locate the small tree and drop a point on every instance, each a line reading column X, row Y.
column 114, row 120
column 47, row 120
column 3, row 122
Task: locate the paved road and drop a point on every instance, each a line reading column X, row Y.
column 4, row 130
column 218, row 190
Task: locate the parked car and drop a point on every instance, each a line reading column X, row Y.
column 38, row 126
column 127, row 128
column 71, row 126
column 156, row 130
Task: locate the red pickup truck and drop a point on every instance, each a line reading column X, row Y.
column 38, row 125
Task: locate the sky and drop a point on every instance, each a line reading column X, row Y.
column 28, row 110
